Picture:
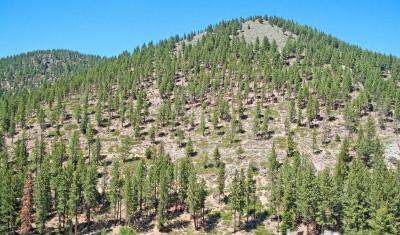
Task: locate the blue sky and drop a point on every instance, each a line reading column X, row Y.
column 107, row 27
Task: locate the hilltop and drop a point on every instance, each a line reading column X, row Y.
column 33, row 68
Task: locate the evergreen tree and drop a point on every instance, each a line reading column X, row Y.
column 383, row 221
column 202, row 124
column 291, row 145
column 129, row 196
column 189, row 151
column 89, row 137
column 325, row 214
column 89, row 189
column 162, row 200
column 288, row 199
column 194, row 198
column 217, row 157
column 221, row 180
column 97, row 149
column 42, row 197
column 356, row 204
column 115, row 190
column 73, row 199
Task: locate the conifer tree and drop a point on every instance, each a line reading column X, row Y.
column 129, row 196
column 73, row 199
column 115, row 190
column 288, row 199
column 89, row 189
column 291, row 145
column 89, row 137
column 62, row 198
column 97, row 149
column 325, row 213
column 193, row 198
column 162, row 200
column 202, row 124
column 99, row 109
column 217, row 157
column 356, row 205
column 221, row 180
column 85, row 120
column 383, row 221
column 250, row 191
column 189, row 151
column 42, row 197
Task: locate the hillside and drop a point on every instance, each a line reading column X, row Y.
column 32, row 68
column 253, row 126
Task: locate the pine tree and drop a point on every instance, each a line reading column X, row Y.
column 7, row 197
column 202, row 124
column 383, row 221
column 356, row 205
column 115, row 190
column 41, row 119
column 306, row 192
column 250, row 191
column 152, row 133
column 326, row 201
column 291, row 145
column 189, row 151
column 129, row 196
column 273, row 165
column 256, row 124
column 42, row 197
column 97, row 149
column 89, row 137
column 62, row 198
column 193, row 201
column 139, row 181
column 237, row 198
column 85, row 120
column 89, row 189
column 99, row 109
column 74, row 148
column 264, row 126
column 73, row 200
column 162, row 200
column 185, row 169
column 221, row 180
column 344, row 154
column 217, row 157
column 215, row 118
column 288, row 198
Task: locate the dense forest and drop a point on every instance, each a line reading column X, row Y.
column 32, row 68
column 205, row 133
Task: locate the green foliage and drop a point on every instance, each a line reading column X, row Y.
column 127, row 231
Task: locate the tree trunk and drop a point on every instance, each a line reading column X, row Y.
column 234, row 221
column 194, row 220
column 76, row 223
column 278, row 224
column 89, row 153
column 87, row 213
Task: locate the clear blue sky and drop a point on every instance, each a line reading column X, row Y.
column 107, row 27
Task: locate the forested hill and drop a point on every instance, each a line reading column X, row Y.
column 32, row 68
column 256, row 125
